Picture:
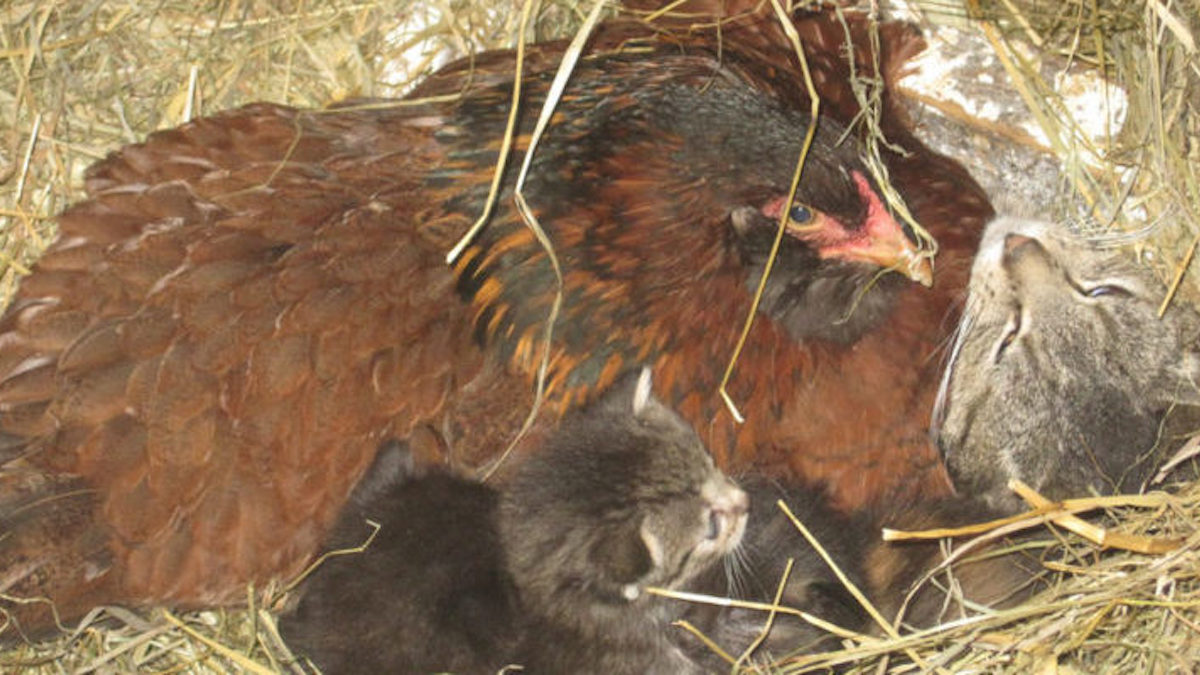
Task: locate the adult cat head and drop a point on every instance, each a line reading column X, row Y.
column 1062, row 371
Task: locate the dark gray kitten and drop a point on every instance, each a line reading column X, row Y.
column 429, row 594
column 885, row 571
column 1062, row 372
column 550, row 574
column 999, row 574
column 753, row 573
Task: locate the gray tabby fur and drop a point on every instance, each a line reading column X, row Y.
column 1061, row 373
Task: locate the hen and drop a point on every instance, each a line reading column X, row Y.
column 200, row 369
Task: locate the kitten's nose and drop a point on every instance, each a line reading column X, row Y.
column 740, row 503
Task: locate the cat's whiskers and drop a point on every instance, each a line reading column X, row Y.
column 970, row 313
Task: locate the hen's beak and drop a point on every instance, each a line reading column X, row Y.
column 880, row 241
column 884, row 244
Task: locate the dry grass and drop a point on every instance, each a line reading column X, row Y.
column 1106, row 610
column 80, row 78
column 1143, row 173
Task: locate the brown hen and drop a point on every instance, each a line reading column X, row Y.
column 204, row 364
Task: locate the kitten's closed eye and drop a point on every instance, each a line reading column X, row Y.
column 714, row 525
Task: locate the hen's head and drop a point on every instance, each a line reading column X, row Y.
column 661, row 184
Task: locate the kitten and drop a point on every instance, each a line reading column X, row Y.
column 754, row 571
column 1062, row 372
column 430, row 592
column 615, row 503
column 885, row 572
column 549, row 573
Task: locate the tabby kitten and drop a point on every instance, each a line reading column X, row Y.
column 549, row 573
column 754, row 571
column 1062, row 372
column 616, row 502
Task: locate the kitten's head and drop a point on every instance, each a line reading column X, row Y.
column 1062, row 371
column 623, row 496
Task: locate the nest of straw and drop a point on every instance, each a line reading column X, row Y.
column 80, row 79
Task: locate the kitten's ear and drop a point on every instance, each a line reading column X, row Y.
column 394, row 464
column 1188, row 391
column 642, row 392
column 626, row 555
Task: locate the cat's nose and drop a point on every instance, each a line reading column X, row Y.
column 939, row 442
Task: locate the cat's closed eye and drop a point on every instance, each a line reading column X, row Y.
column 1103, row 290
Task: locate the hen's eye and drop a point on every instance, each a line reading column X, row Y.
column 1103, row 290
column 799, row 213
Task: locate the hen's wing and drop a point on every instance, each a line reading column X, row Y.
column 219, row 340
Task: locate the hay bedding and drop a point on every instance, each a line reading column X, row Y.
column 79, row 79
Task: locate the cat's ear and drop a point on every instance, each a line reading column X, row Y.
column 625, row 556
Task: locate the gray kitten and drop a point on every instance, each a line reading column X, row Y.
column 754, row 571
column 615, row 503
column 429, row 594
column 549, row 573
column 1061, row 373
